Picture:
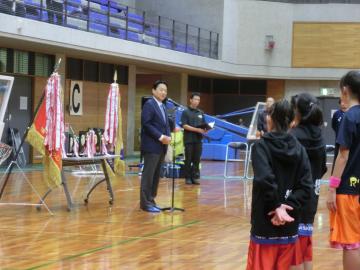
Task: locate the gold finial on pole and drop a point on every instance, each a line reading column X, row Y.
column 57, row 65
column 115, row 76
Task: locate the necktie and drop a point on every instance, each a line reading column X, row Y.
column 162, row 109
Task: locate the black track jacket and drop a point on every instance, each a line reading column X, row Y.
column 311, row 138
column 281, row 175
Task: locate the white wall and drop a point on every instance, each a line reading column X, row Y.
column 294, row 87
column 244, row 29
column 247, row 22
column 130, row 3
column 207, row 14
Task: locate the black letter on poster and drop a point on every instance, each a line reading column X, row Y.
column 77, row 107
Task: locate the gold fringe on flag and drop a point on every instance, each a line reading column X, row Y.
column 36, row 139
column 52, row 171
column 119, row 163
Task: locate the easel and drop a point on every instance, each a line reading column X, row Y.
column 14, row 163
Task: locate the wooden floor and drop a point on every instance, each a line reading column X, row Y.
column 212, row 233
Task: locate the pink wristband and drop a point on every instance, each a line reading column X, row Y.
column 334, row 182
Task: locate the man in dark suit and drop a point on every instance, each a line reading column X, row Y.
column 155, row 136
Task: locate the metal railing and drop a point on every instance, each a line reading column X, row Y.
column 315, row 1
column 110, row 18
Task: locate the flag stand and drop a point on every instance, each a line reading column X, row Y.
column 7, row 175
column 14, row 163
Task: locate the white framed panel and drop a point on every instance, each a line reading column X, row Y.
column 6, row 83
column 260, row 107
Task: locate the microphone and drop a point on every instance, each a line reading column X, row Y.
column 172, row 101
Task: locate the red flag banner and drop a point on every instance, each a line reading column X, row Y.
column 36, row 135
column 46, row 134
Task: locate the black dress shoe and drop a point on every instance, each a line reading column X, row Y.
column 188, row 181
column 195, row 182
column 153, row 203
column 151, row 209
column 158, row 207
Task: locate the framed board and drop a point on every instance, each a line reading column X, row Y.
column 260, row 107
column 6, row 83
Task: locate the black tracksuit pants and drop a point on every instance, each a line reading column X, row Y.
column 192, row 160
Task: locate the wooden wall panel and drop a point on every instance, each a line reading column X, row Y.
column 141, row 90
column 275, row 89
column 144, row 83
column 91, row 106
column 206, row 102
column 94, row 102
column 326, row 45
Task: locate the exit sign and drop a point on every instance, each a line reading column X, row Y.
column 327, row 91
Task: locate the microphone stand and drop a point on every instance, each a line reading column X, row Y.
column 172, row 208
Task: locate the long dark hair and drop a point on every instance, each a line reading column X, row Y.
column 308, row 107
column 282, row 115
column 352, row 81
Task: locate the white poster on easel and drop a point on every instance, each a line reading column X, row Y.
column 76, row 99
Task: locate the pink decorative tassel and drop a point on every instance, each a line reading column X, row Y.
column 111, row 116
column 103, row 146
column 91, row 143
column 76, row 147
column 55, row 137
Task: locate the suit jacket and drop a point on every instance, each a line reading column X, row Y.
column 152, row 127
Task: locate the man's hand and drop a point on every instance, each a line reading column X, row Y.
column 280, row 215
column 166, row 140
column 331, row 199
column 201, row 131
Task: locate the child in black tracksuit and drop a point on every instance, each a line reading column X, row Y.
column 309, row 119
column 282, row 184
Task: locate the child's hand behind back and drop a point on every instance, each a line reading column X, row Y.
column 280, row 215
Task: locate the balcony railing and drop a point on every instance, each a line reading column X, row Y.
column 110, row 18
column 315, row 1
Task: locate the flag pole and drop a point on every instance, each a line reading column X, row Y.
column 115, row 76
column 13, row 161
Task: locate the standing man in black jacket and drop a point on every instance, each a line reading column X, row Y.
column 191, row 119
